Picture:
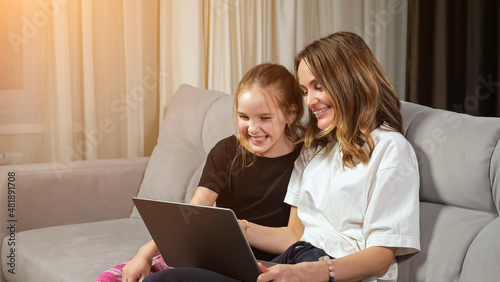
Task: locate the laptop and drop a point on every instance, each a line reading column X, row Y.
column 199, row 236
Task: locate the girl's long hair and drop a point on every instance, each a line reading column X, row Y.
column 360, row 94
column 280, row 88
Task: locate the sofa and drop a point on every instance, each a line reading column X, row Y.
column 72, row 221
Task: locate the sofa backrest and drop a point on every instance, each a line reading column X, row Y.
column 459, row 163
column 195, row 121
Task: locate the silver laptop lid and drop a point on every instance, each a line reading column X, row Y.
column 199, row 236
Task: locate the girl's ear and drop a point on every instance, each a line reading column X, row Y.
column 292, row 114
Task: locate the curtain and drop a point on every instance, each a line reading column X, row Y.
column 89, row 79
column 82, row 74
column 453, row 55
column 238, row 34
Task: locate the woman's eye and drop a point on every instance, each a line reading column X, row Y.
column 243, row 117
column 318, row 88
column 266, row 118
column 304, row 93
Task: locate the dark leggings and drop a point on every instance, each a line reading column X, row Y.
column 187, row 274
column 298, row 252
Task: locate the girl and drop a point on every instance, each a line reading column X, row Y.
column 249, row 172
column 354, row 189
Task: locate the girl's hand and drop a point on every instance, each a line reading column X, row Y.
column 136, row 270
column 244, row 226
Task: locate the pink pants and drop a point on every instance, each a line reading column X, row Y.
column 115, row 274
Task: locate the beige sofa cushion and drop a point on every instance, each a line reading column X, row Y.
column 78, row 252
column 459, row 163
column 175, row 166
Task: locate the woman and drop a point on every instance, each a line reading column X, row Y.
column 354, row 188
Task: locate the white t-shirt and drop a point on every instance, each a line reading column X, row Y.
column 346, row 210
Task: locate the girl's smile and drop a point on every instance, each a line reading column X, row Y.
column 257, row 140
column 262, row 124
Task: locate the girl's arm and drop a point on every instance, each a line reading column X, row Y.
column 204, row 196
column 274, row 240
column 370, row 262
column 138, row 268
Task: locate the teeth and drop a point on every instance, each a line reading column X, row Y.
column 258, row 138
column 321, row 111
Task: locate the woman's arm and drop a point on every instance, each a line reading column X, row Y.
column 370, row 262
column 274, row 240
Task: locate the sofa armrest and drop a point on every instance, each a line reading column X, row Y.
column 49, row 194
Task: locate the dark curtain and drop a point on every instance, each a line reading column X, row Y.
column 453, row 55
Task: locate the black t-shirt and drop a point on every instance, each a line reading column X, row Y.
column 254, row 193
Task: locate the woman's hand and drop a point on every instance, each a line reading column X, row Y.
column 280, row 272
column 306, row 271
column 136, row 270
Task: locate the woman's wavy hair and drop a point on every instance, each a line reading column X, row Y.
column 280, row 88
column 361, row 96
